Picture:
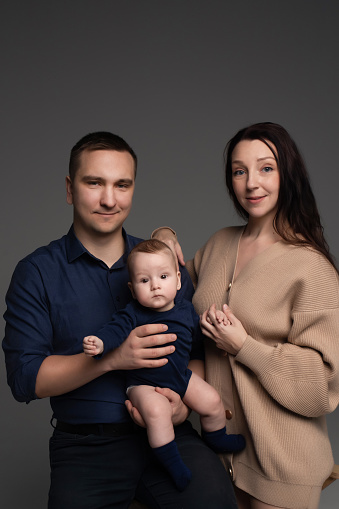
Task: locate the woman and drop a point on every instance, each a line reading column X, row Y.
column 276, row 365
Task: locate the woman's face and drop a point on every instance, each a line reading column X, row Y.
column 255, row 178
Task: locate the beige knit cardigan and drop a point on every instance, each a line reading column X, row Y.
column 285, row 378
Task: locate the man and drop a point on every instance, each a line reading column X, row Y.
column 68, row 290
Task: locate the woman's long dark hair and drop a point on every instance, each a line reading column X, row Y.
column 297, row 219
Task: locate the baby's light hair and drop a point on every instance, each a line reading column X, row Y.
column 150, row 246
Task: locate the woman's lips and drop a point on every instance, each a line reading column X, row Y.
column 255, row 199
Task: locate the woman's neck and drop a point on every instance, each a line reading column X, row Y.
column 257, row 229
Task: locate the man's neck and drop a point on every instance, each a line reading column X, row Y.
column 108, row 248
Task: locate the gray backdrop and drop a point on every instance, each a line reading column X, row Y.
column 177, row 79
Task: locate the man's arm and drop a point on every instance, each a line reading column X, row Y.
column 59, row 374
column 35, row 370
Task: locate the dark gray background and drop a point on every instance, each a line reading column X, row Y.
column 177, row 79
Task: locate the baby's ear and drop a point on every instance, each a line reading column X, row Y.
column 179, row 280
column 130, row 286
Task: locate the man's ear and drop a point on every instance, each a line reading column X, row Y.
column 130, row 286
column 69, row 190
column 179, row 280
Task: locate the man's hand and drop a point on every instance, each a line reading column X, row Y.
column 142, row 349
column 180, row 411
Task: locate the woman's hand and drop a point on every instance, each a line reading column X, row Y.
column 168, row 236
column 228, row 333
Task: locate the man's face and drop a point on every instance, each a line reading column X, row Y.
column 101, row 192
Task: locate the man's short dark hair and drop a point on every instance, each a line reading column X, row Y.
column 101, row 140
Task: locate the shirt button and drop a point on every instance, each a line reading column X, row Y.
column 228, row 414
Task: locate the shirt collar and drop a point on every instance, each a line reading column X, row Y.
column 75, row 249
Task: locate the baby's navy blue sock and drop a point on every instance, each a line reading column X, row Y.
column 169, row 456
column 219, row 441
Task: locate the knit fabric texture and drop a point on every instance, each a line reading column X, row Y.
column 285, row 378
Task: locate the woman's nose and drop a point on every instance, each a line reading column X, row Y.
column 252, row 180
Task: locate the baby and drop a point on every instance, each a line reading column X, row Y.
column 154, row 282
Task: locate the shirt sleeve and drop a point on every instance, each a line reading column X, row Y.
column 114, row 333
column 187, row 290
column 197, row 351
column 29, row 332
column 302, row 374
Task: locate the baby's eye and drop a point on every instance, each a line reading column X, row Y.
column 163, row 276
column 144, row 280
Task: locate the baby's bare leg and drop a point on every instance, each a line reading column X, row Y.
column 204, row 399
column 156, row 412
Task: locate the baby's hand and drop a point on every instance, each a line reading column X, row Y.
column 222, row 318
column 92, row 345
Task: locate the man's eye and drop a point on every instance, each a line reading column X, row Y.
column 93, row 183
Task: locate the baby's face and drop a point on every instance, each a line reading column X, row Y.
column 155, row 280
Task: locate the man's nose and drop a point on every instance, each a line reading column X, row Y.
column 108, row 197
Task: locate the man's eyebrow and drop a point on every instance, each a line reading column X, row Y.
column 100, row 179
column 92, row 177
column 125, row 181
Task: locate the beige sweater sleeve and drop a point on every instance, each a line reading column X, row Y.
column 302, row 374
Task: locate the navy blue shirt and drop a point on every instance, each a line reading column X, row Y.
column 181, row 320
column 59, row 294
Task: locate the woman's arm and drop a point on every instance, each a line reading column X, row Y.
column 301, row 374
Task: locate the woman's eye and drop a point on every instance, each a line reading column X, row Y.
column 238, row 173
column 267, row 169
